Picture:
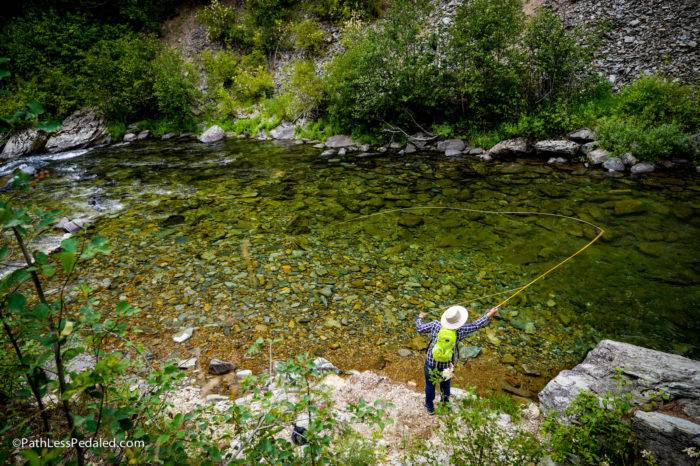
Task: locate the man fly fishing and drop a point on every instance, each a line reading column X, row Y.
column 445, row 334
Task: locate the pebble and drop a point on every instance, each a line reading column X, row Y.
column 404, row 352
column 184, row 335
column 242, row 374
column 188, row 363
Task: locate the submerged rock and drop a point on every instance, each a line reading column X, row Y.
column 410, row 221
column 24, row 142
column 469, row 352
column 212, row 134
column 84, row 128
column 628, row 206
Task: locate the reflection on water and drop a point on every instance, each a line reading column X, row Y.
column 245, row 239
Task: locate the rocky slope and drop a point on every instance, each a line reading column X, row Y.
column 640, row 36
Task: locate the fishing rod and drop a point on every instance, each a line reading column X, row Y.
column 515, row 291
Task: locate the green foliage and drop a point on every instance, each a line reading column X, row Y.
column 174, row 87
column 67, row 61
column 305, row 90
column 388, row 73
column 471, row 436
column 217, row 18
column 597, row 432
column 307, row 36
column 620, row 135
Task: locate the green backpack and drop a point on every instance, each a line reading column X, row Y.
column 444, row 345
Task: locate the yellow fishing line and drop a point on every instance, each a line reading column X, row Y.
column 515, row 291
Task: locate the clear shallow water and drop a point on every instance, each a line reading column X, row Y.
column 243, row 239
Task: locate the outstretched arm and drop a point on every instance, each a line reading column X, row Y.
column 477, row 324
column 424, row 327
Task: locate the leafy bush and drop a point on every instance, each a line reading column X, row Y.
column 307, row 36
column 599, row 433
column 470, row 435
column 174, row 87
column 67, row 61
column 305, row 89
column 217, row 18
column 388, row 73
column 652, row 143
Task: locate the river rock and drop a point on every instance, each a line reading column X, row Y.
column 451, row 145
column 338, row 141
column 143, row 135
column 589, row 147
column 643, row 167
column 84, row 128
column 409, row 149
column 556, row 148
column 476, row 151
column 614, row 164
column 219, row 367
column 24, row 142
column 420, row 140
column 324, row 365
column 628, row 159
column 284, row 131
column 597, row 156
column 71, row 226
column 646, row 372
column 469, row 352
column 189, row 363
column 556, row 160
column 582, row 135
column 128, row 137
column 628, row 206
column 410, row 221
column 328, row 153
column 183, row 335
column 666, row 436
column 452, row 153
column 516, row 147
column 212, row 134
column 242, row 374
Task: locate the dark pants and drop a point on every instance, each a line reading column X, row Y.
column 430, row 390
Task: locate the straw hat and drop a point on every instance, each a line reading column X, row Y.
column 454, row 317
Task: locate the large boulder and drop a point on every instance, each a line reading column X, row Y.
column 284, row 131
column 24, row 142
column 614, row 164
column 597, row 156
column 338, row 141
column 582, row 135
column 455, row 145
column 667, row 436
column 642, row 167
column 556, row 148
column 212, row 134
column 646, row 373
column 84, row 128
column 510, row 147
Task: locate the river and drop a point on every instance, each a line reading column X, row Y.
column 246, row 239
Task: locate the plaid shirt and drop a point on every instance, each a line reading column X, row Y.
column 433, row 328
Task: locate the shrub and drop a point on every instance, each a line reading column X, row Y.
column 559, row 70
column 620, row 135
column 599, row 433
column 652, row 100
column 307, row 36
column 388, row 73
column 305, row 90
column 217, row 18
column 470, row 435
column 174, row 87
